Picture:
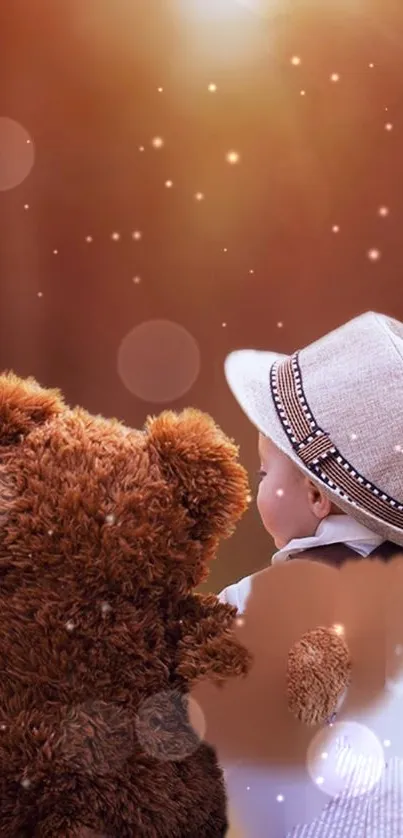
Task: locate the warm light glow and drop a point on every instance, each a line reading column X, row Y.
column 338, row 629
column 374, row 254
column 383, row 211
column 199, row 196
column 296, row 61
column 233, row 157
column 137, row 235
column 169, row 184
column 335, row 77
column 157, row 142
column 212, row 88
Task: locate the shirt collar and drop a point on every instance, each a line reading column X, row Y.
column 335, row 529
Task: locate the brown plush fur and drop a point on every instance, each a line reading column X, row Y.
column 105, row 532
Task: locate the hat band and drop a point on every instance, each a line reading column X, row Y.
column 316, row 450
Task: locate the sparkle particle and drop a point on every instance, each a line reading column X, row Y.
column 106, row 607
column 115, row 237
column 157, row 142
column 25, row 782
column 110, row 519
column 233, row 157
column 280, row 493
column 26, row 206
column 199, row 196
column 280, row 798
column 335, row 228
column 40, row 294
column 212, row 88
column 137, row 235
column 136, row 280
column 70, row 625
column 374, row 254
column 251, row 271
column 280, row 324
column 295, row 61
column 371, row 65
column 224, row 325
column 89, row 239
column 389, row 126
column 383, row 211
column 169, row 184
column 160, row 90
column 335, row 77
column 55, row 252
column 302, row 93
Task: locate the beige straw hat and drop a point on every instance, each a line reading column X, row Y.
column 336, row 409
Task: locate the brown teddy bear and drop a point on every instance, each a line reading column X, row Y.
column 105, row 534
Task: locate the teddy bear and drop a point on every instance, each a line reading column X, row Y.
column 106, row 533
column 315, row 725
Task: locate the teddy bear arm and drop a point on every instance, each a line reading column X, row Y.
column 208, row 647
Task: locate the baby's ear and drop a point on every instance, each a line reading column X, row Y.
column 202, row 465
column 24, row 404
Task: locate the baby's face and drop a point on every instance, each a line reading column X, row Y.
column 284, row 498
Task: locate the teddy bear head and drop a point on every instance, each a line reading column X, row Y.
column 105, row 533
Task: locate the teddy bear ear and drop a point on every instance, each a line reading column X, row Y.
column 202, row 464
column 24, row 404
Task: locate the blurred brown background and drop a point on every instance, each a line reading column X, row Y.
column 233, row 167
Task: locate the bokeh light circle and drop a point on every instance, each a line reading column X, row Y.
column 347, row 760
column 159, row 361
column 17, row 153
column 170, row 726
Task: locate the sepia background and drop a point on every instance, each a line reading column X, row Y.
column 181, row 178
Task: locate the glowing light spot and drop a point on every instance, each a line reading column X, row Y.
column 233, row 157
column 371, row 66
column 110, row 519
column 70, row 625
column 26, row 784
column 199, row 196
column 40, row 294
column 280, row 493
column 324, row 755
column 224, row 325
column 55, row 252
column 225, row 249
column 335, row 228
column 251, row 271
column 398, row 449
column 280, row 324
column 212, row 88
column 240, row 622
column 389, row 126
column 141, row 148
column 374, row 254
column 115, row 237
column 89, row 239
column 169, row 184
column 17, row 155
column 338, row 629
column 136, row 280
column 354, row 760
column 106, row 607
column 159, row 361
column 295, row 61
column 157, row 142
column 26, row 206
column 163, row 729
column 50, row 532
column 302, row 93
column 335, row 77
column 280, row 798
column 137, row 235
column 387, row 743
column 353, row 437
column 383, row 211
column 160, row 90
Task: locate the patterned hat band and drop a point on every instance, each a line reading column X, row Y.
column 318, row 453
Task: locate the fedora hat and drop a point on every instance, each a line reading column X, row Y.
column 335, row 408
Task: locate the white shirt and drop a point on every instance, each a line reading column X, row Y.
column 366, row 792
column 336, row 529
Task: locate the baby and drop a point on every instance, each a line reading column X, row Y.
column 330, row 429
column 330, row 443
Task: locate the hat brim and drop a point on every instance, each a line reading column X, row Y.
column 247, row 372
